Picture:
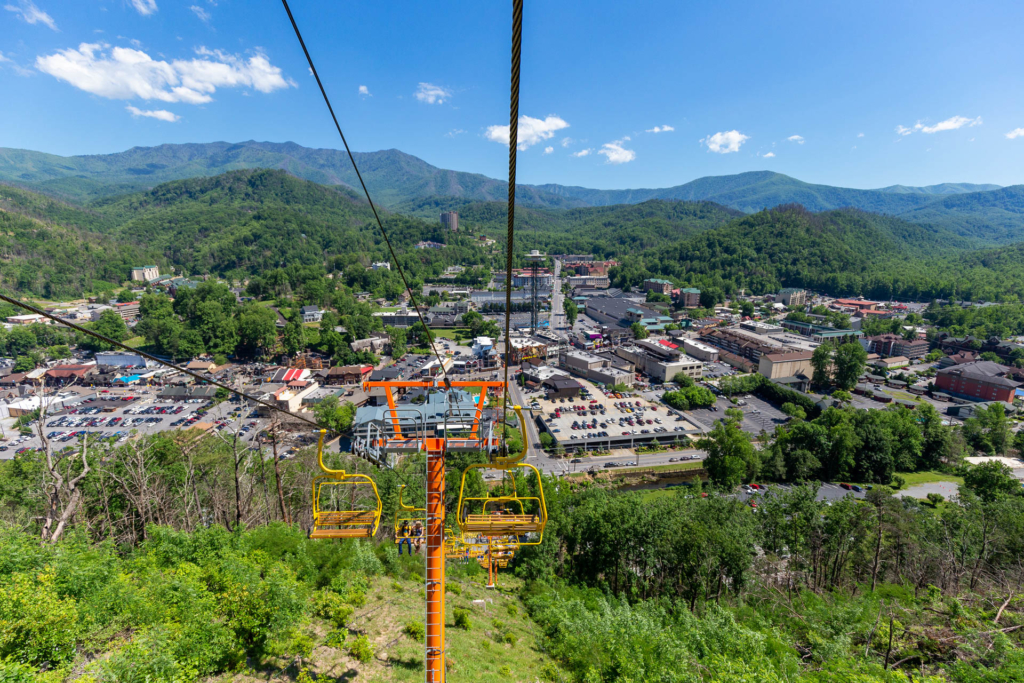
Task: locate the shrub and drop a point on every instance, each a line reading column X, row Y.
column 513, row 610
column 415, row 630
column 37, row 624
column 935, row 499
column 328, row 605
column 505, row 671
column 509, row 638
column 147, row 658
column 361, row 649
column 462, row 619
column 336, row 638
column 498, row 624
column 898, row 482
column 454, row 589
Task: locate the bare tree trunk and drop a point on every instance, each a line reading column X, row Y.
column 277, row 476
column 73, row 491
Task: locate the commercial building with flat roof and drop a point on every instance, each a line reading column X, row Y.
column 658, row 285
column 821, row 334
column 700, row 351
column 781, row 365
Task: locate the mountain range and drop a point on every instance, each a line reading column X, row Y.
column 983, row 214
column 986, row 212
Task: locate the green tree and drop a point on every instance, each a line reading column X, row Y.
column 747, row 309
column 21, row 340
column 849, row 364
column 639, row 331
column 822, row 361
column 111, row 325
column 794, row 411
column 842, row 395
column 398, row 343
column 24, row 364
column 334, row 415
column 991, row 481
column 683, row 380
column 571, row 310
column 59, row 352
column 934, row 355
column 293, row 338
column 731, row 456
column 257, row 329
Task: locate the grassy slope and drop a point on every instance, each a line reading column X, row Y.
column 474, row 654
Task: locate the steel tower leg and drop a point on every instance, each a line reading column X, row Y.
column 435, row 564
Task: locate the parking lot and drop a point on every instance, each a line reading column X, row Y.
column 121, row 416
column 830, row 492
column 601, row 416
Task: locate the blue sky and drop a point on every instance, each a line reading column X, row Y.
column 643, row 94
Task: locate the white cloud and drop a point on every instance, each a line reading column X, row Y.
column 798, row 139
column 860, row 135
column 952, row 123
column 147, row 7
column 364, row 91
column 769, row 155
column 3, row 59
column 1015, row 133
column 530, row 131
column 549, row 150
column 30, row 14
column 566, row 142
column 582, row 153
column 661, row 129
column 160, row 114
column 725, row 142
column 615, row 152
column 124, row 73
column 203, row 15
column 453, row 132
column 432, row 94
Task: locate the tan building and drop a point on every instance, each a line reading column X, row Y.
column 145, row 273
column 779, row 365
column 793, row 296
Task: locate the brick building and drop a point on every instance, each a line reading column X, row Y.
column 886, row 345
column 978, row 381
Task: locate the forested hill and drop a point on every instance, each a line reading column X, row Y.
column 843, row 252
column 392, row 175
column 606, row 231
column 234, row 225
column 398, row 180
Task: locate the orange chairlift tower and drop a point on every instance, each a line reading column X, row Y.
column 458, row 424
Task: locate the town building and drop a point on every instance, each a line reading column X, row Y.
column 348, row 374
column 760, row 327
column 427, row 244
column 311, row 314
column 892, row 362
column 28, row 319
column 978, row 381
column 120, row 359
column 700, row 351
column 597, row 368
column 145, row 273
column 562, row 387
column 128, row 310
column 450, row 220
column 821, row 333
column 380, row 265
column 658, row 285
column 894, row 345
column 783, row 365
column 740, row 344
column 660, row 362
column 792, row 296
column 859, row 305
column 688, row 297
column 615, row 311
column 375, row 344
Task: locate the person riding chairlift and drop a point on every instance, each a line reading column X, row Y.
column 403, row 537
column 417, row 533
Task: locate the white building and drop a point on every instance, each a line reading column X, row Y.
column 700, row 351
column 380, row 265
column 311, row 314
column 145, row 273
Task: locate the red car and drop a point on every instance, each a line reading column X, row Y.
column 846, row 486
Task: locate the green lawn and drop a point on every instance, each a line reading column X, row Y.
column 454, row 333
column 135, row 342
column 688, row 465
column 915, row 478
